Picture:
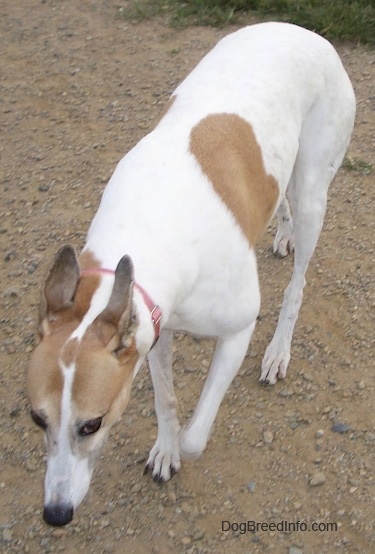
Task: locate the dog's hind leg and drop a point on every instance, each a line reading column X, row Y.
column 164, row 458
column 228, row 357
column 323, row 143
column 284, row 239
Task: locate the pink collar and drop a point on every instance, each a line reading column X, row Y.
column 155, row 310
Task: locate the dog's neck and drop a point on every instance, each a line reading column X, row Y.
column 155, row 310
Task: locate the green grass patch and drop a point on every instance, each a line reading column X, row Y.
column 356, row 164
column 335, row 19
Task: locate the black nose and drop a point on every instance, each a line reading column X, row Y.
column 56, row 514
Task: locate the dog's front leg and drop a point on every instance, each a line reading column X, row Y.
column 228, row 357
column 164, row 458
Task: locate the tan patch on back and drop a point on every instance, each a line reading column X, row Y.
column 228, row 153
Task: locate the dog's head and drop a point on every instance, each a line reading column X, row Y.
column 80, row 374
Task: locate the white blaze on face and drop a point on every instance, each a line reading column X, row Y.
column 98, row 302
column 68, row 475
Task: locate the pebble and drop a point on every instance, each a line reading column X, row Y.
column 319, row 433
column 340, row 427
column 7, row 535
column 251, row 486
column 58, row 533
column 286, row 393
column 354, row 482
column 11, row 292
column 318, row 478
column 295, row 550
column 267, row 437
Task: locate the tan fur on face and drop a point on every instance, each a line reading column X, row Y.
column 228, row 153
column 45, row 380
column 102, row 381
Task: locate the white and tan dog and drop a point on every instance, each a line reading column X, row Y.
column 267, row 115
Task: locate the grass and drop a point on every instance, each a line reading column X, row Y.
column 335, row 19
column 356, row 164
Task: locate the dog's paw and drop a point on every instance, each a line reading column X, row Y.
column 274, row 366
column 191, row 447
column 163, row 463
column 283, row 243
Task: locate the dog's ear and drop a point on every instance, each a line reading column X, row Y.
column 119, row 310
column 61, row 283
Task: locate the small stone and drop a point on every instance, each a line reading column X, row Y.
column 10, row 348
column 267, row 437
column 198, row 536
column 11, row 292
column 340, row 427
column 10, row 256
column 354, row 482
column 186, row 540
column 295, row 550
column 285, row 393
column 319, row 433
column 317, row 479
column 307, row 377
column 31, row 466
column 361, row 385
column 58, row 533
column 105, row 523
column 251, row 486
column 7, row 535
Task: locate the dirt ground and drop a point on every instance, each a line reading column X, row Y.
column 79, row 86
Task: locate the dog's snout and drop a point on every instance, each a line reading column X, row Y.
column 57, row 514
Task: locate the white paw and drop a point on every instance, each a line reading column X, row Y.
column 191, row 447
column 163, row 462
column 283, row 243
column 274, row 366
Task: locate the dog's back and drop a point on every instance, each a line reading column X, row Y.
column 269, row 75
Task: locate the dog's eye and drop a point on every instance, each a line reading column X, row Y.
column 90, row 427
column 39, row 420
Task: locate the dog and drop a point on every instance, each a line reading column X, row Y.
column 260, row 127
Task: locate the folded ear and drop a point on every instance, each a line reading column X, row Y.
column 119, row 309
column 61, row 283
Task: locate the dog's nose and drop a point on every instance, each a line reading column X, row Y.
column 57, row 514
